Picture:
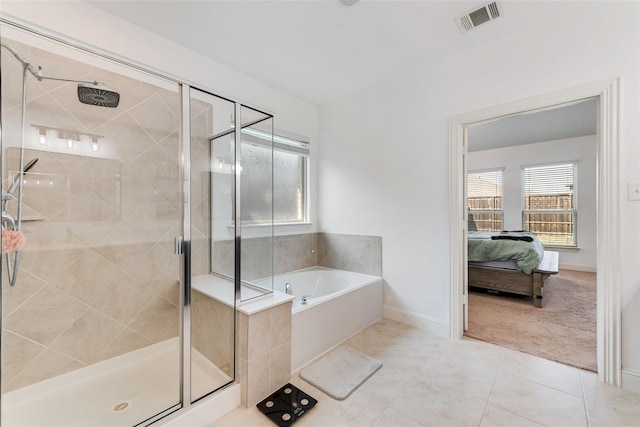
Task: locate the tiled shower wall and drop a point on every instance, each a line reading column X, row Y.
column 98, row 276
column 361, row 254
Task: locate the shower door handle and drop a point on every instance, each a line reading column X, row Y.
column 177, row 245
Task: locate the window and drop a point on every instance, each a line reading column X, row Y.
column 289, row 177
column 484, row 199
column 549, row 205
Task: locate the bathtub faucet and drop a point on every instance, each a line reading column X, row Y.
column 287, row 288
column 304, row 299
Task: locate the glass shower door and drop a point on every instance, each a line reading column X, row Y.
column 212, row 315
column 256, row 158
column 91, row 301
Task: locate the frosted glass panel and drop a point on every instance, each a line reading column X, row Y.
column 288, row 186
column 257, row 182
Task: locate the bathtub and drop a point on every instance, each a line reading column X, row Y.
column 338, row 305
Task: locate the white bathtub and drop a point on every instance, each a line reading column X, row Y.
column 339, row 304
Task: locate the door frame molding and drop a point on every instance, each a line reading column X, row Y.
column 608, row 230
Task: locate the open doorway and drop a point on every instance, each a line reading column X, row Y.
column 532, row 217
column 608, row 303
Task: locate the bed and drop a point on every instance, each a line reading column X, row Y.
column 513, row 262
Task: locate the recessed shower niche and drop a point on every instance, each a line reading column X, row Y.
column 118, row 214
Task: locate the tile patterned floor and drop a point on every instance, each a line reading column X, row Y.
column 428, row 380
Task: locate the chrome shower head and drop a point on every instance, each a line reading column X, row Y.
column 29, row 165
column 94, row 94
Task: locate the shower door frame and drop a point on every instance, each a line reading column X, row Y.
column 182, row 244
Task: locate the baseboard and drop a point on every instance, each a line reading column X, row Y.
column 206, row 411
column 414, row 319
column 577, row 267
column 631, row 380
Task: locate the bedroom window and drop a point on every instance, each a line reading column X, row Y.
column 484, row 200
column 549, row 205
column 290, row 169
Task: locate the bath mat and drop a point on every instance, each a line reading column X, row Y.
column 340, row 372
column 286, row 405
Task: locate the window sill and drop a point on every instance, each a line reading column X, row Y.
column 264, row 230
column 562, row 248
column 276, row 224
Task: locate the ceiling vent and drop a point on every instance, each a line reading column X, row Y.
column 472, row 19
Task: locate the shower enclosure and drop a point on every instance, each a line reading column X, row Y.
column 122, row 204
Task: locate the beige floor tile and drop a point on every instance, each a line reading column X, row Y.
column 393, row 418
column 389, row 381
column 606, row 415
column 359, row 409
column 468, row 376
column 392, row 339
column 597, row 391
column 430, row 404
column 539, row 403
column 473, row 352
column 546, row 372
column 497, row 417
column 428, row 380
column 249, row 417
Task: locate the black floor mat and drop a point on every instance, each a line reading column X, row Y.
column 286, row 405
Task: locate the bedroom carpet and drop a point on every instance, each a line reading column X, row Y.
column 563, row 330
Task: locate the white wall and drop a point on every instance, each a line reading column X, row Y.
column 581, row 150
column 384, row 155
column 91, row 27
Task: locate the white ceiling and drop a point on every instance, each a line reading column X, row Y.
column 567, row 121
column 322, row 50
column 316, row 50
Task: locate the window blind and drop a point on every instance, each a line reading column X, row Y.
column 549, row 204
column 551, row 181
column 484, row 190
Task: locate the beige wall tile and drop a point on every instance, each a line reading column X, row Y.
column 123, row 300
column 258, row 379
column 155, row 218
column 89, row 277
column 243, row 378
column 47, row 264
column 280, row 366
column 243, row 336
column 212, row 328
column 125, row 342
column 259, row 338
column 280, row 324
column 45, row 315
column 47, row 365
column 87, row 337
column 124, row 139
column 160, row 171
column 156, row 117
column 133, row 190
column 14, row 296
column 17, row 353
column 200, row 257
column 157, row 321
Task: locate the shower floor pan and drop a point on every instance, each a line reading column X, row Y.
column 122, row 391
